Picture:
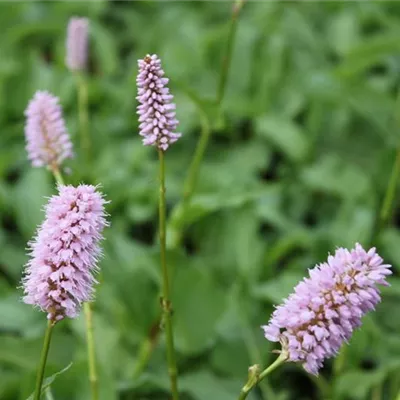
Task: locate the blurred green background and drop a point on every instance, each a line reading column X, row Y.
column 298, row 163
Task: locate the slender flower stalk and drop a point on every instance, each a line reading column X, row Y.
column 91, row 349
column 176, row 222
column 146, row 349
column 47, row 140
column 325, row 308
column 76, row 59
column 390, row 193
column 166, row 299
column 226, row 62
column 256, row 377
column 158, row 125
column 48, row 394
column 43, row 360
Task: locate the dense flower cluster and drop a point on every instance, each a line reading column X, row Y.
column 48, row 142
column 59, row 275
column 156, row 110
column 325, row 308
column 77, row 44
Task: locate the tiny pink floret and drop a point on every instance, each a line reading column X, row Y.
column 60, row 274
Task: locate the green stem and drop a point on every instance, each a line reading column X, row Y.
column 226, row 62
column 89, row 324
column 83, row 114
column 390, row 193
column 57, row 175
column 255, row 378
column 325, row 390
column 43, row 359
column 166, row 301
column 48, row 394
column 376, row 393
column 255, row 357
column 394, row 389
column 191, row 180
column 176, row 223
column 91, row 351
column 146, row 349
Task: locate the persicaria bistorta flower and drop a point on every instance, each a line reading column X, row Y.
column 314, row 321
column 64, row 254
column 77, row 44
column 156, row 110
column 47, row 139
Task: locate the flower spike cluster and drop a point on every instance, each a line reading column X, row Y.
column 321, row 314
column 59, row 275
column 77, row 44
column 48, row 142
column 156, row 110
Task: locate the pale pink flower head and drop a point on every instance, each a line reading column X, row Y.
column 77, row 44
column 60, row 274
column 156, row 110
column 47, row 140
column 321, row 314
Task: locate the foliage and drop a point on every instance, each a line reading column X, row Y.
column 298, row 163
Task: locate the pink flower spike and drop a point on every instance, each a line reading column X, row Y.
column 156, row 110
column 47, row 140
column 77, row 44
column 322, row 313
column 60, row 274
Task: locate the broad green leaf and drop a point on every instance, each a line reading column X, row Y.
column 389, row 242
column 371, row 51
column 204, row 385
column 332, row 175
column 285, row 135
column 17, row 316
column 344, row 31
column 30, row 197
column 49, row 380
column 277, row 289
column 195, row 293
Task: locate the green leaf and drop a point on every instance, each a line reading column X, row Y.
column 389, row 241
column 344, row 31
column 360, row 382
column 205, row 385
column 285, row 135
column 104, row 48
column 330, row 174
column 196, row 293
column 277, row 289
column 49, row 380
column 370, row 52
column 29, row 198
column 17, row 316
column 202, row 205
